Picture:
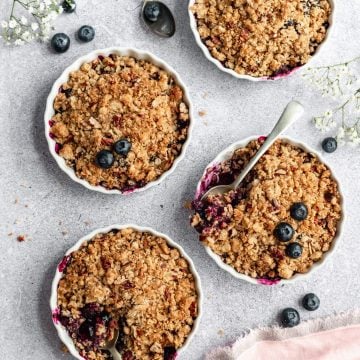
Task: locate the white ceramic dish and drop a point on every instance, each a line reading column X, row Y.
column 220, row 66
column 49, row 112
column 62, row 332
column 203, row 184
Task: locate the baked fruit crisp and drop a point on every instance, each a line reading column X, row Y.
column 120, row 122
column 133, row 281
column 282, row 218
column 262, row 38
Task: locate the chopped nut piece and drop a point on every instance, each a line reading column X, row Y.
column 21, row 238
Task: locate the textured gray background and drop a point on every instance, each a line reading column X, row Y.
column 54, row 212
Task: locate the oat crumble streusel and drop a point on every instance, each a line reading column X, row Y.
column 133, row 281
column 114, row 98
column 239, row 226
column 262, row 38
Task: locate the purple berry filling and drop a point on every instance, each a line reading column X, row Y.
column 64, row 263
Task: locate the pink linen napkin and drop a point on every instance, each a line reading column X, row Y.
column 336, row 337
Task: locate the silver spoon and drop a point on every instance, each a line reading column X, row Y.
column 292, row 112
column 111, row 346
column 158, row 17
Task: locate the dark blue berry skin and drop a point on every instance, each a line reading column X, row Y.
column 87, row 330
column 294, row 250
column 104, row 159
column 60, row 43
column 122, row 147
column 329, row 145
column 311, row 302
column 169, row 353
column 290, row 317
column 86, row 33
column 152, row 11
column 69, row 6
column 284, row 232
column 299, row 211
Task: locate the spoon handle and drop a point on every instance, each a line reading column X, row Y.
column 292, row 112
column 115, row 354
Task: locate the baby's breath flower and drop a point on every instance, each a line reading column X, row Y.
column 36, row 25
column 339, row 81
column 12, row 24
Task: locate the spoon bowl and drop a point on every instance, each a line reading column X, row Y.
column 158, row 18
column 111, row 346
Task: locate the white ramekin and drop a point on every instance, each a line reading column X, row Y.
column 62, row 332
column 220, row 66
column 49, row 112
column 227, row 154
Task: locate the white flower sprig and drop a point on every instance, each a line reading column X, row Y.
column 30, row 20
column 341, row 82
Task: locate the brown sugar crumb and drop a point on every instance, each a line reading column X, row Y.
column 262, row 38
column 21, row 238
column 114, row 98
column 239, row 226
column 202, row 113
column 133, row 281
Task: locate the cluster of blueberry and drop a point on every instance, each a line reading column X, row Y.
column 290, row 317
column 105, row 158
column 284, row 231
column 61, row 42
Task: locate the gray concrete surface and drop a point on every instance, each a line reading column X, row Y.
column 54, row 212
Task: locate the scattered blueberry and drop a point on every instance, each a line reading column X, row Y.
column 299, row 211
column 290, row 317
column 122, row 147
column 329, row 145
column 311, row 302
column 294, row 250
column 60, row 42
column 87, row 330
column 86, row 33
column 284, row 232
column 152, row 11
column 104, row 159
column 69, row 6
column 169, row 353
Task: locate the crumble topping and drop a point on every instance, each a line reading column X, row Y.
column 133, row 281
column 262, row 38
column 114, row 98
column 239, row 226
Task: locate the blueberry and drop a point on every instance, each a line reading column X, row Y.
column 60, row 42
column 152, row 11
column 86, row 33
column 169, row 353
column 122, row 147
column 104, row 159
column 299, row 211
column 105, row 317
column 284, row 232
column 87, row 330
column 290, row 317
column 311, row 302
column 69, row 6
column 329, row 145
column 294, row 250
